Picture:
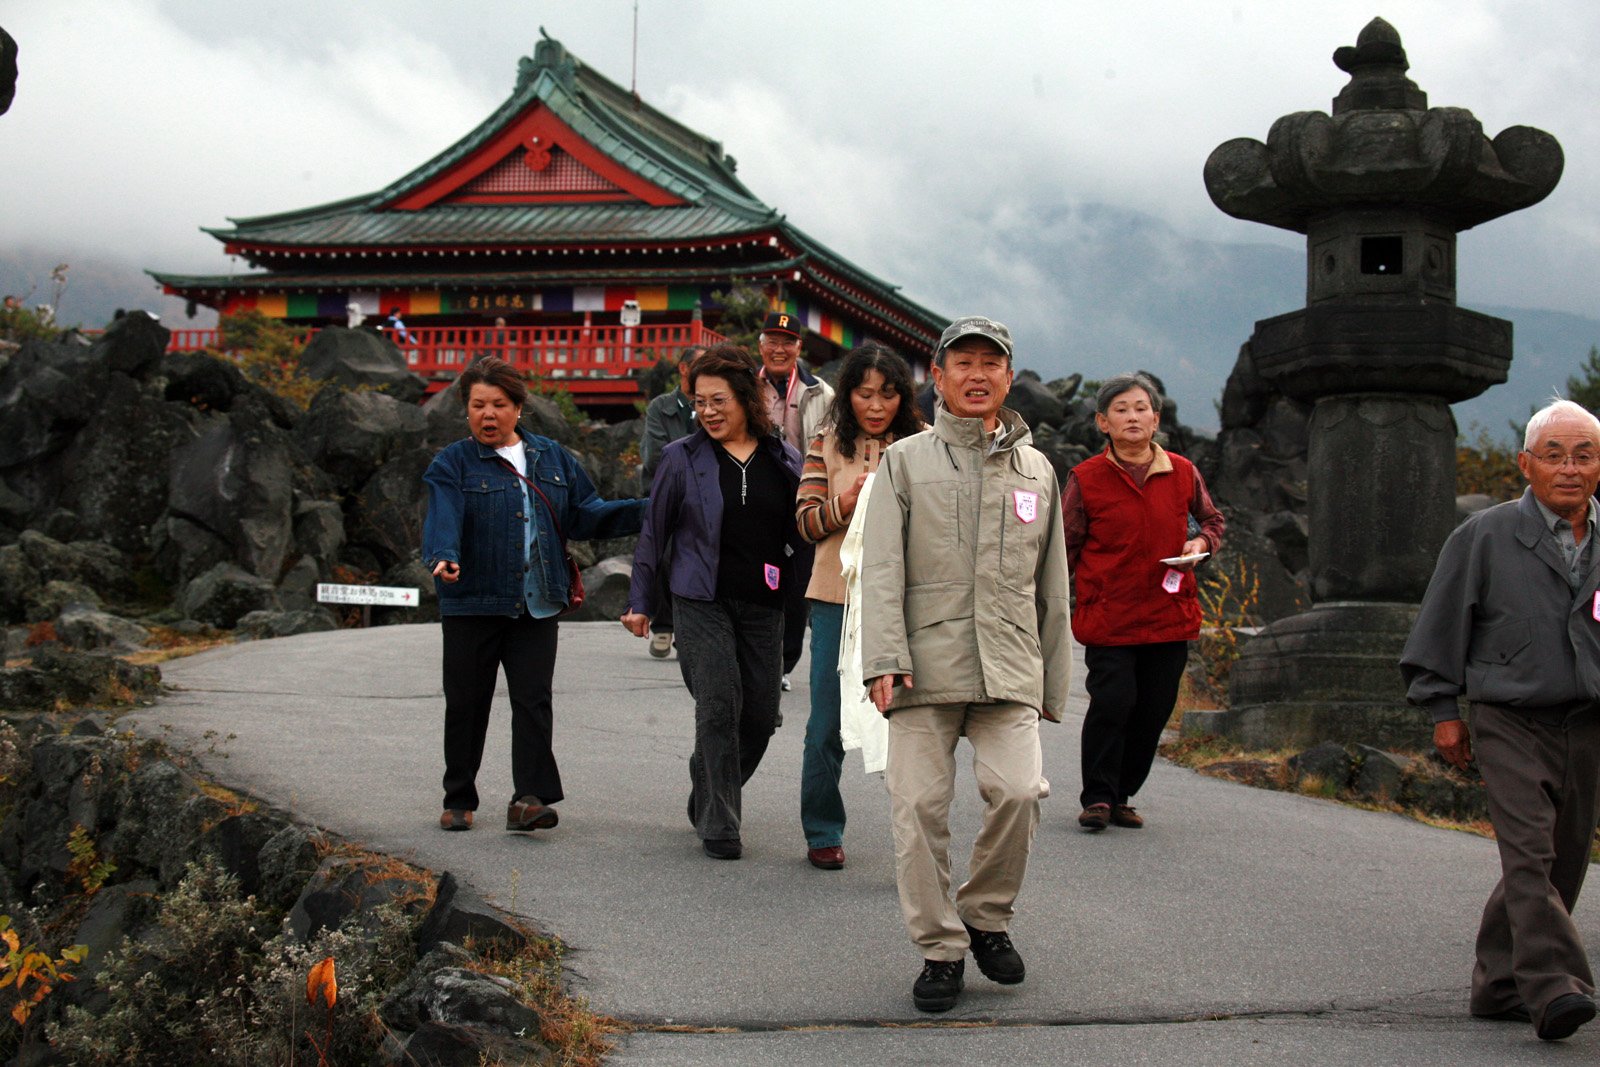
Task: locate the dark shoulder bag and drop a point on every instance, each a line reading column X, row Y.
column 575, row 592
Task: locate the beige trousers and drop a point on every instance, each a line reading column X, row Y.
column 921, row 776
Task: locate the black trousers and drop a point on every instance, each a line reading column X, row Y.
column 476, row 648
column 1132, row 689
column 730, row 653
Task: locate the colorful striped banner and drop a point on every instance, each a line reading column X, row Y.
column 558, row 299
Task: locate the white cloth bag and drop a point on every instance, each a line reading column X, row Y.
column 860, row 724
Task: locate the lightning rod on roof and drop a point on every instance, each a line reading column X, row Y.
column 636, row 55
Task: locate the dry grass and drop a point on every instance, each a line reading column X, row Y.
column 169, row 644
column 1192, row 697
column 235, row 804
column 1228, row 602
column 579, row 1037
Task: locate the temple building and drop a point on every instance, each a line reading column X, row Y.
column 599, row 229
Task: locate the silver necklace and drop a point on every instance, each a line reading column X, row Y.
column 744, row 475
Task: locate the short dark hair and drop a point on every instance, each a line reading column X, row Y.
column 735, row 365
column 873, row 356
column 1117, row 385
column 496, row 372
column 690, row 353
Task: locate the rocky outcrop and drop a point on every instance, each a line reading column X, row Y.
column 225, row 594
column 357, row 359
column 57, row 675
column 128, row 474
column 100, row 829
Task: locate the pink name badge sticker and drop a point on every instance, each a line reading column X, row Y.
column 772, row 576
column 1027, row 506
column 1172, row 581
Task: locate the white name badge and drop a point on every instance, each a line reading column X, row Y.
column 1172, row 581
column 1027, row 506
column 1597, row 605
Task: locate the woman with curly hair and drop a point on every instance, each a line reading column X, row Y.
column 874, row 404
column 724, row 496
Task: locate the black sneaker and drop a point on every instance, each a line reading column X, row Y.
column 996, row 956
column 939, row 984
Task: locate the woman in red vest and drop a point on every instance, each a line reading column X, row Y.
column 1126, row 517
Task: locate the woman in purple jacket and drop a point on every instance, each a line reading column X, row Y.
column 725, row 497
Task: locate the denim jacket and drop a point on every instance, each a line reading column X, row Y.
column 475, row 519
column 686, row 509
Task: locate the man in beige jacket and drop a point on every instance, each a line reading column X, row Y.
column 965, row 631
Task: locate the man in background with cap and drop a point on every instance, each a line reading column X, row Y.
column 798, row 402
column 965, row 631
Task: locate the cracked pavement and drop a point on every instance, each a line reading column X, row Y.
column 1239, row 927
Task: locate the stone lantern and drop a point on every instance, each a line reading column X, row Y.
column 1380, row 189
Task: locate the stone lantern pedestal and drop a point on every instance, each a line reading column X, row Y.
column 1380, row 189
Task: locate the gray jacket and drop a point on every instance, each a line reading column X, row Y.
column 964, row 570
column 1499, row 624
column 669, row 417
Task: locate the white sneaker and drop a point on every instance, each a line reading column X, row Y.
column 787, row 688
column 661, row 644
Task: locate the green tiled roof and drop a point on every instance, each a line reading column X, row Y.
column 632, row 133
column 497, row 225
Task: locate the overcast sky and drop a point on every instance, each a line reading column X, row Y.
column 895, row 132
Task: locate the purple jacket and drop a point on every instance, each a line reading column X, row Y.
column 685, row 512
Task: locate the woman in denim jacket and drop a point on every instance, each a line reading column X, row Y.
column 500, row 505
column 725, row 496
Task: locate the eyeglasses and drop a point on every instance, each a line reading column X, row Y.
column 780, row 342
column 1554, row 461
column 712, row 403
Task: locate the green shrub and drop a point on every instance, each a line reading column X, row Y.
column 268, row 352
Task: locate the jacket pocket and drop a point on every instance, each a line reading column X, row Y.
column 553, row 484
column 1501, row 644
column 926, row 605
column 938, row 545
column 1020, row 540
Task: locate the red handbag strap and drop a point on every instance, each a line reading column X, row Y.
column 553, row 516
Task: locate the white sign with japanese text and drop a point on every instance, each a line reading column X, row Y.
column 388, row 596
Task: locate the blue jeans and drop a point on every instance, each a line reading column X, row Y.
column 821, row 806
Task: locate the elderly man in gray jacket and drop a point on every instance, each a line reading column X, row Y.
column 965, row 630
column 1511, row 621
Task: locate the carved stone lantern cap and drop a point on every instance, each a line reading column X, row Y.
column 1383, row 147
column 1377, row 67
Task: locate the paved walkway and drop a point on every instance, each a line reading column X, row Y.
column 1345, row 936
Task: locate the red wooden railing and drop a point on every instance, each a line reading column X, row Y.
column 584, row 359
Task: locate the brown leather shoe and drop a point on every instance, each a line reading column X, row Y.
column 1126, row 817
column 826, row 859
column 1095, row 817
column 529, row 813
column 455, row 819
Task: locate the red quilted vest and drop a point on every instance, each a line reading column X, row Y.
column 1120, row 600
